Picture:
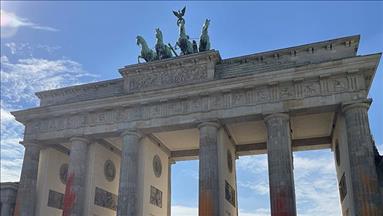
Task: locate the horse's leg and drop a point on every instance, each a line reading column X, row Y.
column 172, row 49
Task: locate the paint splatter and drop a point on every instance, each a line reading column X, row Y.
column 69, row 196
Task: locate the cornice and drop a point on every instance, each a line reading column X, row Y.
column 170, row 62
column 350, row 40
column 77, row 88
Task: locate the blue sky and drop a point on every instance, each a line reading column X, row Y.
column 47, row 45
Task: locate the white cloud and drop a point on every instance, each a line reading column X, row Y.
column 10, row 170
column 10, row 23
column 184, row 211
column 17, row 47
column 257, row 212
column 253, row 164
column 179, row 210
column 6, row 116
column 27, row 49
column 11, row 151
column 21, row 79
column 260, row 187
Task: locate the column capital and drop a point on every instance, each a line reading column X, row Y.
column 31, row 143
column 131, row 132
column 215, row 124
column 171, row 161
column 284, row 116
column 80, row 139
column 359, row 104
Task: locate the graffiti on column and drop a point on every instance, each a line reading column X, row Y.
column 69, row 197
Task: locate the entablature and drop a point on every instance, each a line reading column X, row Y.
column 362, row 67
column 316, row 85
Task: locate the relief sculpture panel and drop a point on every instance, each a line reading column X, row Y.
column 167, row 78
column 230, row 194
column 155, row 196
column 55, row 199
column 105, row 199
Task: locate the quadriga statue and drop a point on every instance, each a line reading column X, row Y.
column 163, row 51
column 204, row 41
column 146, row 53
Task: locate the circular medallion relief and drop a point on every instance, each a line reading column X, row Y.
column 157, row 166
column 63, row 172
column 229, row 161
column 109, row 170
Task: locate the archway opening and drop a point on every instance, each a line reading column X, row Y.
column 184, row 188
column 316, row 187
column 253, row 185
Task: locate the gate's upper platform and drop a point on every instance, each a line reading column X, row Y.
column 202, row 67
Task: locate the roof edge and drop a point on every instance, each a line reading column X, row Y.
column 340, row 40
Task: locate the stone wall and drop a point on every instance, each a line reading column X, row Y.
column 227, row 173
column 53, row 166
column 342, row 165
column 102, row 181
column 153, row 179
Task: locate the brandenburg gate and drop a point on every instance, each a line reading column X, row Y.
column 107, row 148
column 119, row 138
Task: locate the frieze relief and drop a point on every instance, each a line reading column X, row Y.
column 310, row 89
column 167, row 78
column 286, row 91
column 200, row 103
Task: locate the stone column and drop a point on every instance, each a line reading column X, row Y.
column 26, row 193
column 75, row 185
column 281, row 176
column 128, row 187
column 208, row 169
column 365, row 186
column 6, row 209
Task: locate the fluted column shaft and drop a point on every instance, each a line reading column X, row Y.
column 366, row 196
column 128, row 187
column 6, row 209
column 281, row 176
column 208, row 169
column 27, row 193
column 75, row 184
